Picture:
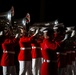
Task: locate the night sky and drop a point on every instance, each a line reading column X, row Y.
column 46, row 11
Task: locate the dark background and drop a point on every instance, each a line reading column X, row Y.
column 43, row 10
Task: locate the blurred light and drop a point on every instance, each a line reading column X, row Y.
column 7, row 22
column 56, row 22
column 23, row 22
column 15, row 22
column 1, row 33
column 9, row 16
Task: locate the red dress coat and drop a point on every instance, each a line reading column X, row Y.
column 1, row 40
column 36, row 49
column 25, row 49
column 8, row 51
column 47, row 48
column 49, row 53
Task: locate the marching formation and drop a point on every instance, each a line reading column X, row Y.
column 38, row 49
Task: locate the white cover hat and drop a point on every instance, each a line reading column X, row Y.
column 55, row 28
column 32, row 29
column 42, row 29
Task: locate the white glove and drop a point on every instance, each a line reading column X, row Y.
column 36, row 32
column 73, row 33
column 66, row 36
column 68, row 31
column 24, row 22
column 1, row 33
column 17, row 35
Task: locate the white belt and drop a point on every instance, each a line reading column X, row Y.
column 53, row 61
column 74, row 46
column 34, row 47
column 73, row 51
column 41, row 48
column 46, row 60
column 68, row 51
column 38, row 47
column 23, row 48
column 11, row 52
column 63, row 53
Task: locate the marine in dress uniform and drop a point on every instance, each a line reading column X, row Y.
column 36, row 55
column 57, row 37
column 7, row 61
column 73, row 51
column 1, row 40
column 72, row 57
column 61, row 37
column 74, row 47
column 25, row 56
column 68, row 45
column 49, row 46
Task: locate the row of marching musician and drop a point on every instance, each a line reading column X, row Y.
column 27, row 54
column 8, row 43
column 48, row 51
